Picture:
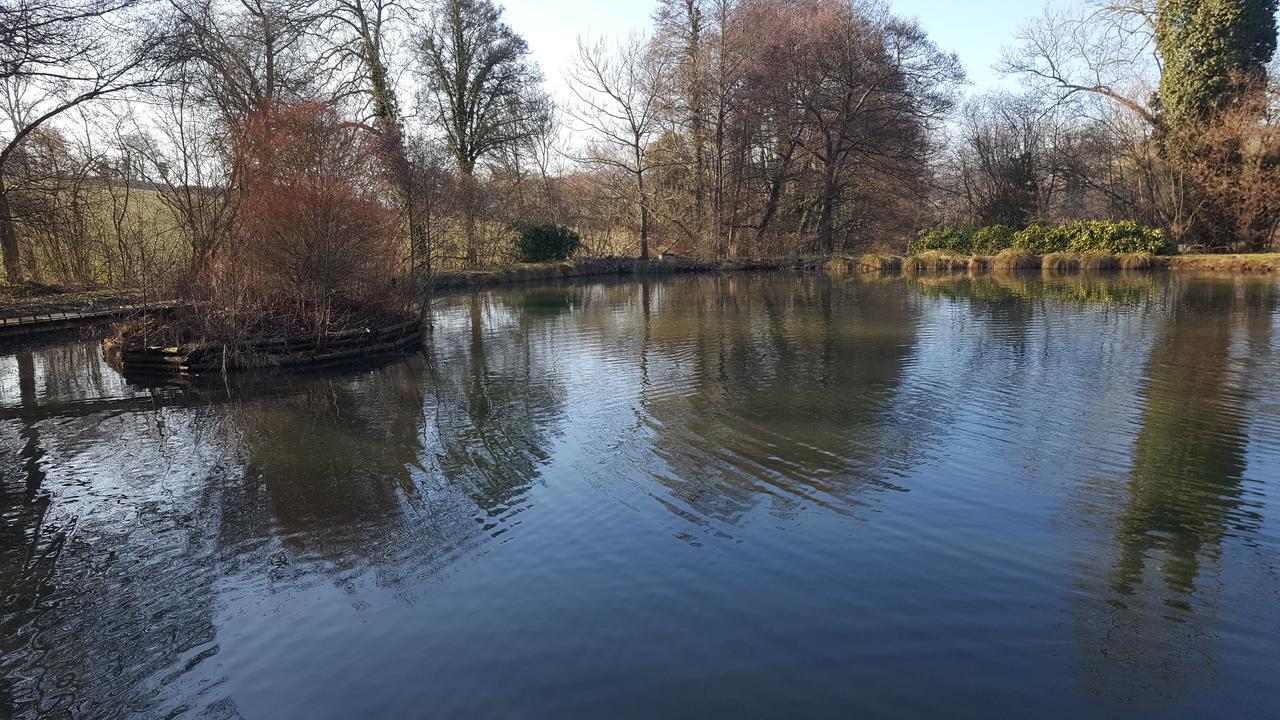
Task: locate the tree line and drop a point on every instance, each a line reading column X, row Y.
column 1166, row 112
column 315, row 146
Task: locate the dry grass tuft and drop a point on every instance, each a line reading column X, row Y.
column 980, row 263
column 885, row 264
column 1060, row 262
column 1015, row 260
column 934, row 262
column 1137, row 261
column 839, row 266
column 1096, row 262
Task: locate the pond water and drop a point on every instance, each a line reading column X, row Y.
column 767, row 496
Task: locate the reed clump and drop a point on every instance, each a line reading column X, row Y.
column 1098, row 261
column 934, row 262
column 980, row 263
column 839, row 266
column 1060, row 262
column 874, row 262
column 1015, row 259
column 1136, row 261
column 914, row 265
column 1241, row 264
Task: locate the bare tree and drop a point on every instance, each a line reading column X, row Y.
column 619, row 96
column 682, row 29
column 252, row 53
column 188, row 171
column 360, row 33
column 1105, row 51
column 55, row 57
column 877, row 82
column 728, row 55
column 1104, row 60
column 481, row 89
column 51, row 192
column 1006, row 159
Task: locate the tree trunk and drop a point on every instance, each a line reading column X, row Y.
column 826, row 239
column 9, row 239
column 196, row 266
column 469, row 215
column 387, row 119
column 775, row 191
column 699, row 157
column 469, row 224
column 397, row 158
column 644, row 217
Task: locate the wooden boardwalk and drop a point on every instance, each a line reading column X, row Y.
column 45, row 322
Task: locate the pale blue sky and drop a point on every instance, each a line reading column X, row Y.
column 976, row 30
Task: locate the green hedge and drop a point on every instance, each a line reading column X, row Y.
column 1085, row 236
column 991, row 239
column 956, row 240
column 544, row 243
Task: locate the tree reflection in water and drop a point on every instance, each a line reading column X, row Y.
column 1155, row 637
column 1086, row 450
column 1147, row 417
column 97, row 575
column 496, row 402
column 777, row 404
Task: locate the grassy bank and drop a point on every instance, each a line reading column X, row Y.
column 541, row 272
column 934, row 262
column 1236, row 264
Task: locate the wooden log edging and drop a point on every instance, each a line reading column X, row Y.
column 346, row 346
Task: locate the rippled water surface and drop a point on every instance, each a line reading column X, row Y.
column 714, row 496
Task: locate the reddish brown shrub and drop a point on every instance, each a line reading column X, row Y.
column 315, row 239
